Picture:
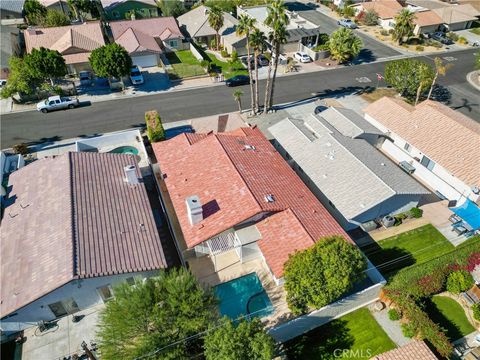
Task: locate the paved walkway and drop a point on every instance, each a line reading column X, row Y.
column 392, row 328
column 437, row 213
column 382, row 233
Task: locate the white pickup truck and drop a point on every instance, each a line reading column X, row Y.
column 57, row 103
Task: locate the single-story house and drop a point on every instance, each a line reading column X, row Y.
column 74, row 42
column 440, row 144
column 334, row 154
column 74, row 226
column 194, row 24
column 11, row 10
column 426, row 22
column 416, row 349
column 233, row 191
column 386, row 10
column 147, row 39
column 58, row 5
column 130, row 9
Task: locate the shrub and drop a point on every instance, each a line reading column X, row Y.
column 408, row 330
column 459, row 281
column 21, row 149
column 476, row 311
column 224, row 53
column 155, row 131
column 213, row 44
column 416, row 212
column 451, row 35
column 462, row 40
column 394, row 315
column 234, row 56
column 419, row 48
column 391, row 31
column 205, row 64
column 473, row 261
column 323, row 39
column 384, row 32
column 370, row 18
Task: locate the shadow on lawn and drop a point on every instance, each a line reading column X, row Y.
column 321, row 343
column 452, row 331
column 388, row 261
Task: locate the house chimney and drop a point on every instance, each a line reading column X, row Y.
column 194, row 209
column 131, row 174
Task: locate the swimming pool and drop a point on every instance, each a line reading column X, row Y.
column 132, row 150
column 243, row 296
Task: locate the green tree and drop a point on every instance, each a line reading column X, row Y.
column 111, row 60
column 407, row 76
column 344, row 45
column 245, row 341
column 173, row 8
column 277, row 20
column 34, row 11
column 321, row 274
column 19, row 80
column 84, row 6
column 44, row 64
column 237, row 95
column 348, row 11
column 54, row 18
column 155, row 313
column 440, row 69
column 257, row 42
column 476, row 311
column 215, row 20
column 404, row 26
column 245, row 26
column 370, row 18
column 459, row 281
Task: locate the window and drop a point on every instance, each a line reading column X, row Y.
column 429, row 164
column 173, row 43
column 105, row 292
column 407, row 147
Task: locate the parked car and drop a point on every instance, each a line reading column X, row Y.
column 282, row 59
column 441, row 38
column 136, row 76
column 262, row 60
column 57, row 103
column 349, row 24
column 85, row 78
column 238, row 80
column 302, row 57
column 244, row 60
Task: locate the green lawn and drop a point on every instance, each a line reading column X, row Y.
column 184, row 65
column 357, row 334
column 226, row 69
column 412, row 247
column 447, row 313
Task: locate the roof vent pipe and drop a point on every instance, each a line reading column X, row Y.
column 194, row 209
column 131, row 174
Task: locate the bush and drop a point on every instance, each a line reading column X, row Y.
column 391, row 31
column 21, row 149
column 476, row 311
column 155, row 131
column 370, row 18
column 224, row 53
column 451, row 35
column 416, row 212
column 419, row 48
column 234, row 56
column 459, row 281
column 462, row 40
column 394, row 315
column 213, row 44
column 408, row 330
column 323, row 39
column 384, row 32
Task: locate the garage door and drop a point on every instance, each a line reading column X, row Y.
column 145, row 60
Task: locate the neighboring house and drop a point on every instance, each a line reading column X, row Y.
column 74, row 42
column 58, row 5
column 11, row 10
column 416, row 349
column 147, row 39
column 233, row 191
column 130, row 9
column 194, row 24
column 334, row 155
column 8, row 164
column 442, row 144
column 386, row 10
column 426, row 22
column 74, row 226
column 300, row 31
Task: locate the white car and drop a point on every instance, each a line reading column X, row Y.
column 302, row 57
column 57, row 103
column 136, row 76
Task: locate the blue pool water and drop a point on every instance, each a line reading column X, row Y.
column 243, row 296
column 130, row 150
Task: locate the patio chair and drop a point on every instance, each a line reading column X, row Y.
column 454, row 219
column 459, row 230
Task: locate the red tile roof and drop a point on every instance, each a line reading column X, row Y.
column 73, row 216
column 416, row 350
column 161, row 27
column 234, row 181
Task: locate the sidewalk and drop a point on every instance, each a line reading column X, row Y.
column 392, row 328
column 473, row 79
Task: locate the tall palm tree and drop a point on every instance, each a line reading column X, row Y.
column 277, row 20
column 404, row 25
column 344, row 45
column 244, row 28
column 257, row 42
column 237, row 95
column 440, row 69
column 215, row 20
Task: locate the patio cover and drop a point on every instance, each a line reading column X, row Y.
column 470, row 213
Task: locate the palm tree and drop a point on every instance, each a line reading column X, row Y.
column 404, row 25
column 244, row 27
column 257, row 42
column 440, row 69
column 215, row 20
column 277, row 20
column 344, row 45
column 237, row 95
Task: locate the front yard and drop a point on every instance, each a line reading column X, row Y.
column 412, row 247
column 354, row 336
column 228, row 70
column 184, row 65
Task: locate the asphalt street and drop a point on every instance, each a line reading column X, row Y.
column 106, row 116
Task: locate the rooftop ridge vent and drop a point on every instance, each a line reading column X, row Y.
column 269, row 198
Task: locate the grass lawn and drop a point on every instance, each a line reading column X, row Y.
column 449, row 315
column 184, row 65
column 357, row 332
column 378, row 94
column 412, row 247
column 226, row 70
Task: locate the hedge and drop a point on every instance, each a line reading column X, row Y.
column 155, row 131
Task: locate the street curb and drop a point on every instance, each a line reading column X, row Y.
column 471, row 81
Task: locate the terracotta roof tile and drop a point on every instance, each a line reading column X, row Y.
column 386, row 9
column 446, row 136
column 426, row 18
column 154, row 27
column 135, row 41
column 415, row 350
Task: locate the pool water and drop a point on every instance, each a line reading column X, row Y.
column 243, row 296
column 130, row 150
